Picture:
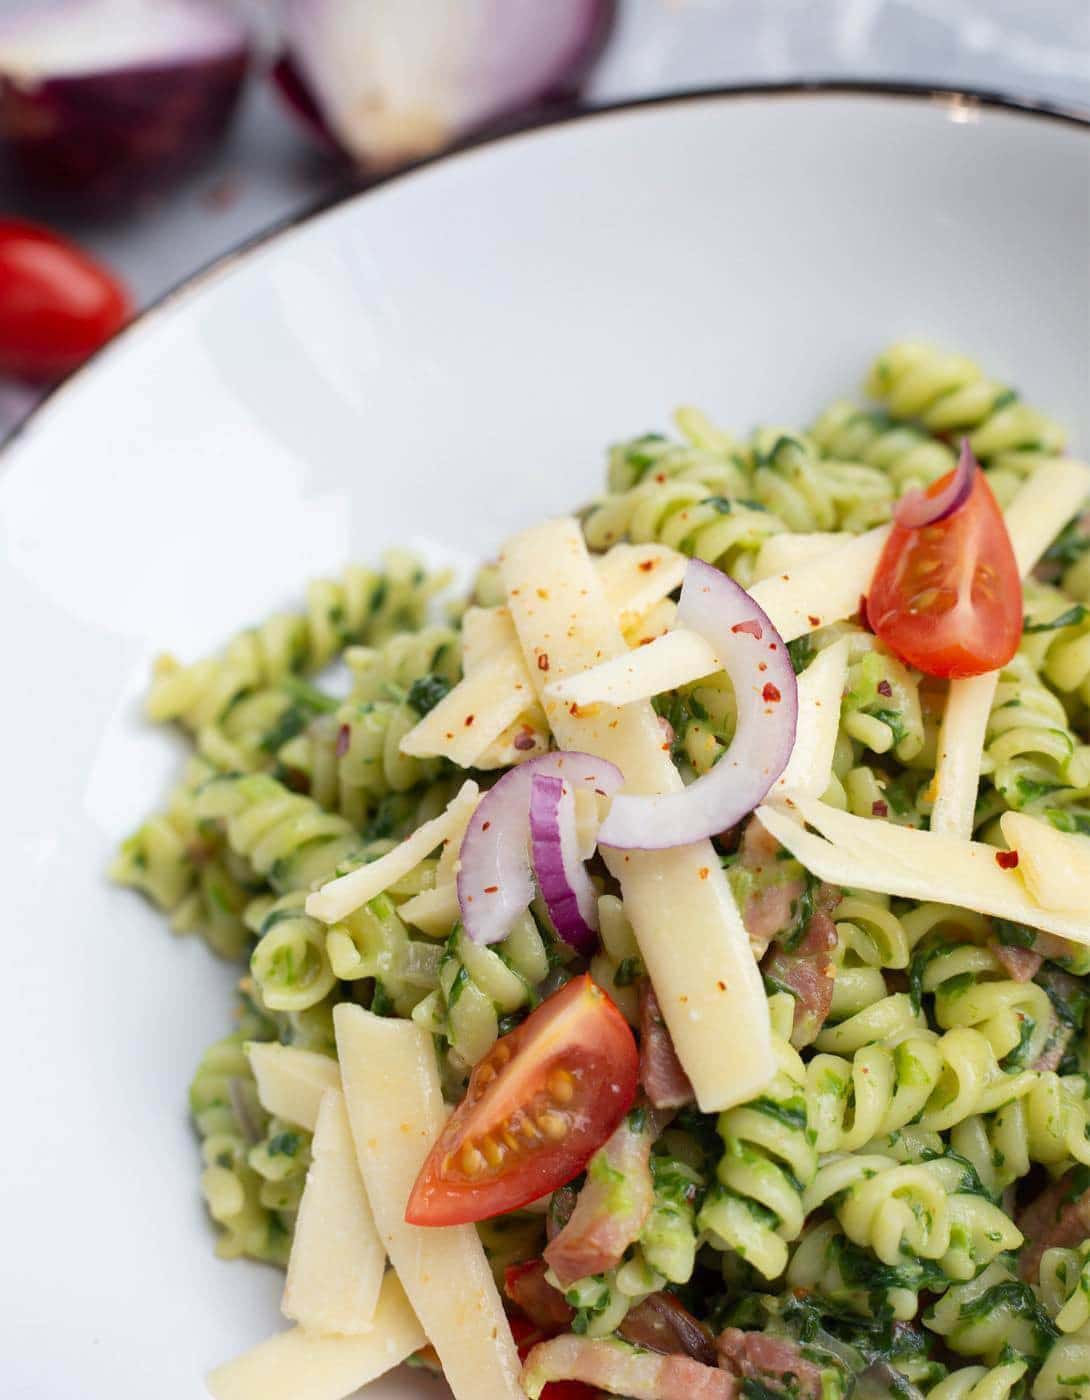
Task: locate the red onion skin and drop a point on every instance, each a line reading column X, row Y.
column 917, row 508
column 99, row 143
column 553, row 880
column 559, row 96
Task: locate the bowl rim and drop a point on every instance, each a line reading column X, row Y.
column 359, row 187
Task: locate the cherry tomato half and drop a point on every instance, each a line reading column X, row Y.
column 947, row 598
column 57, row 304
column 544, row 1098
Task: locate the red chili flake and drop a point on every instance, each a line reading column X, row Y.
column 469, row 720
column 485, row 825
column 879, row 809
column 813, row 621
column 647, row 565
column 344, row 738
column 543, row 593
column 524, row 741
column 884, row 688
column 762, row 666
column 704, row 872
column 543, row 661
column 491, row 889
column 1006, row 860
column 751, row 627
column 722, row 986
column 770, row 693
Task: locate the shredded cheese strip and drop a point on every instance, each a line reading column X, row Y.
column 290, row 1083
column 475, row 724
column 674, row 659
column 434, row 911
column 300, row 1365
column 637, row 577
column 337, row 1259
column 689, row 931
column 888, row 859
column 781, row 553
column 1043, row 506
column 961, row 747
column 1040, row 510
column 340, row 897
column 822, row 590
column 1053, row 865
column 472, row 715
column 396, row 1109
column 821, row 689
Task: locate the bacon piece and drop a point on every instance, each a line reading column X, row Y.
column 613, row 1204
column 808, row 972
column 1023, row 964
column 664, row 1081
column 526, row 1285
column 769, row 908
column 1056, row 1049
column 757, row 1356
column 620, row 1369
column 1060, row 1215
column 660, row 1323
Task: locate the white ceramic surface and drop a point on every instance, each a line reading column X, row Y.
column 440, row 361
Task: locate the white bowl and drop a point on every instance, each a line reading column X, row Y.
column 439, row 360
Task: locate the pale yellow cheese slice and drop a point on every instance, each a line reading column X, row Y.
column 337, row 1259
column 689, row 931
column 821, row 689
column 878, row 855
column 290, row 1083
column 1053, row 865
column 337, row 899
column 298, row 1365
column 781, row 553
column 472, row 715
column 1040, row 510
column 391, row 1085
column 672, row 660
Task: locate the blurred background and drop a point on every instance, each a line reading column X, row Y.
column 158, row 134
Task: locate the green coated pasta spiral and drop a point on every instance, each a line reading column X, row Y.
column 480, row 986
column 1065, row 1374
column 351, row 760
column 363, row 605
column 1065, row 1286
column 755, row 1205
column 993, row 1316
column 287, row 838
column 949, row 393
column 809, row 492
column 669, row 1238
column 908, row 456
column 722, row 530
column 404, row 660
column 981, row 1383
column 183, row 866
column 708, row 456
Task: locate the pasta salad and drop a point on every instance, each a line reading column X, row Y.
column 667, row 977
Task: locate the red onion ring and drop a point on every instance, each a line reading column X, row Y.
column 917, row 508
column 562, row 878
column 495, row 885
column 755, row 657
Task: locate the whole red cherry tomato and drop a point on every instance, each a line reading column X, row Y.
column 57, row 304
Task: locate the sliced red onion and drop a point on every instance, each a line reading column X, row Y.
column 392, row 81
column 495, row 885
column 562, row 878
column 917, row 508
column 105, row 100
column 766, row 696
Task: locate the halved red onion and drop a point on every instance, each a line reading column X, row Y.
column 917, row 508
column 495, row 885
column 766, row 696
column 391, row 81
column 105, row 100
column 562, row 878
